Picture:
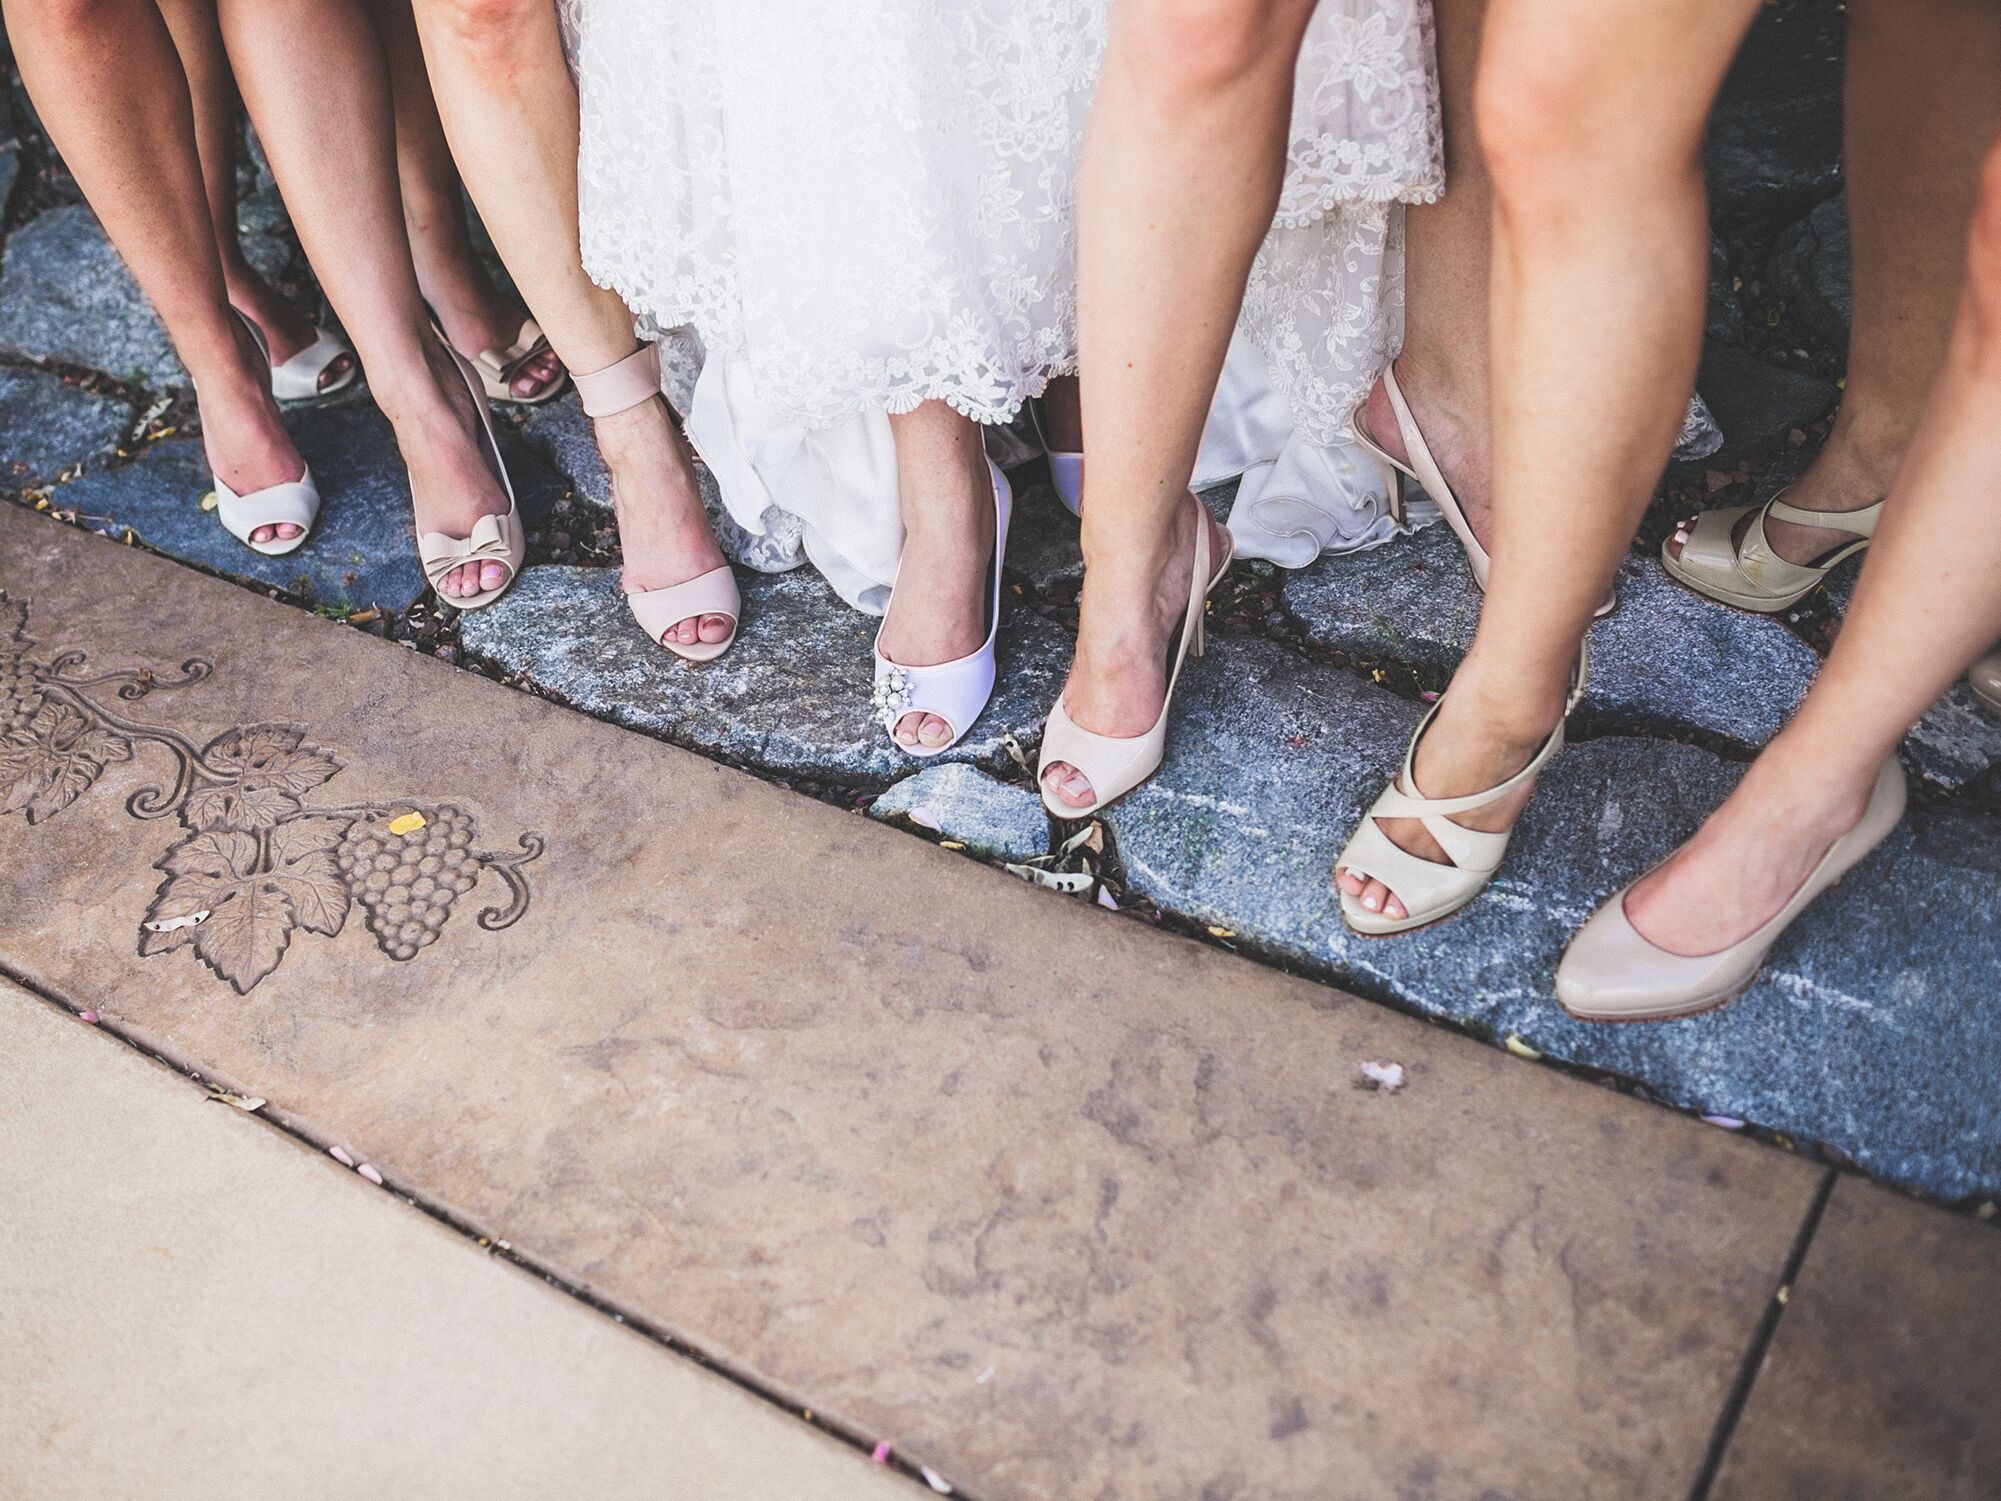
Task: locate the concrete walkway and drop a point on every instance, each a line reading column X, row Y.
column 1061, row 1206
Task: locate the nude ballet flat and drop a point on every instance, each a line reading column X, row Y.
column 1747, row 573
column 955, row 691
column 288, row 503
column 1424, row 473
column 1428, row 890
column 495, row 539
column 618, row 388
column 1612, row 974
column 1113, row 764
column 1985, row 681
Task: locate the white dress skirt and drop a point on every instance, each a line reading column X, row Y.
column 834, row 212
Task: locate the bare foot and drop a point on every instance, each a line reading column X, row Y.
column 944, row 583
column 243, row 432
column 1745, row 863
column 1458, row 444
column 663, row 531
column 1470, row 747
column 1119, row 678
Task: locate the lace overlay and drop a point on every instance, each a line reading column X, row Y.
column 869, row 205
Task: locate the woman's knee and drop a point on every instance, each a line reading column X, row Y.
column 77, row 15
column 482, row 26
column 1195, row 48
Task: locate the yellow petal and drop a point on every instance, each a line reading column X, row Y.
column 409, row 823
column 209, row 502
column 1519, row 1048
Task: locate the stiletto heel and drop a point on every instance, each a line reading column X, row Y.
column 288, row 503
column 617, row 388
column 495, row 539
column 1066, row 469
column 1116, row 764
column 1611, row 973
column 955, row 691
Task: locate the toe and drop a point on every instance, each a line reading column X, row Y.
column 491, row 576
column 336, row 371
column 262, row 533
column 1068, row 785
column 1349, row 882
column 906, row 731
column 687, row 632
column 1372, row 896
column 715, row 628
column 933, row 732
column 287, row 531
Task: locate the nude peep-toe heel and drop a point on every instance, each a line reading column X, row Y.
column 1428, row 890
column 955, row 691
column 298, row 379
column 1611, row 973
column 1423, row 473
column 618, row 388
column 1746, row 572
column 1114, row 765
column 288, row 503
column 495, row 539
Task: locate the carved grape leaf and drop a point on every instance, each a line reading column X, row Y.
column 53, row 761
column 250, row 913
column 302, row 867
column 261, row 773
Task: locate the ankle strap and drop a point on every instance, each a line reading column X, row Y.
column 617, row 387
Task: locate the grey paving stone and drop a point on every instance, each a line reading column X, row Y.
column 1724, row 319
column 1869, row 1029
column 1042, row 548
column 1809, row 269
column 47, row 425
column 989, row 817
column 1775, row 136
column 362, row 552
column 10, row 170
column 791, row 697
column 1758, row 404
column 1665, row 661
column 65, row 295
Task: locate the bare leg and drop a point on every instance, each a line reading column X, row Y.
column 1193, row 91
column 198, row 38
column 1920, row 90
column 938, row 612
column 1063, row 415
column 475, row 313
column 510, row 110
column 109, row 86
column 1592, row 358
column 302, row 63
column 1922, row 612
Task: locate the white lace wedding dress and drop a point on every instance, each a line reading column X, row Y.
column 857, row 207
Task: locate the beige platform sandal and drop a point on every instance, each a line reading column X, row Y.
column 1985, row 681
column 618, row 388
column 494, row 539
column 1612, row 974
column 1114, row 765
column 1423, row 473
column 1428, row 890
column 1747, row 573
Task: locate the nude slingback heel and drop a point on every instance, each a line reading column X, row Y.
column 955, row 691
column 1423, row 472
column 1747, row 572
column 1428, row 890
column 298, row 379
column 1114, row 765
column 288, row 503
column 1066, row 470
column 1611, row 973
column 618, row 388
column 495, row 539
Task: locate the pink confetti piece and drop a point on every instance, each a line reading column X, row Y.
column 936, row 1481
column 881, row 1454
column 339, row 1154
column 87, row 1016
column 1727, row 1122
column 370, row 1174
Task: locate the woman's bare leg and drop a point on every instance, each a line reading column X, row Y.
column 1922, row 613
column 1922, row 106
column 1592, row 115
column 475, row 313
column 1193, row 92
column 109, row 86
column 938, row 612
column 510, row 110
column 301, row 64
column 218, row 110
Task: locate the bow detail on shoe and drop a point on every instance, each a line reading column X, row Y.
column 490, row 542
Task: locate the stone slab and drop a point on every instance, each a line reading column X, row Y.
column 1884, row 1380
column 1775, row 138
column 1758, row 404
column 1666, row 661
column 1061, row 1205
column 362, row 552
column 48, row 425
column 1002, row 819
column 1809, row 269
column 66, row 296
column 1272, row 761
column 791, row 697
column 202, row 1309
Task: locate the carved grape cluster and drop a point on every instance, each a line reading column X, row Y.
column 406, row 883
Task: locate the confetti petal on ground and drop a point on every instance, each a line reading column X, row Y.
column 936, row 1481
column 881, row 1454
column 1387, row 1077
column 339, row 1154
column 1519, row 1048
column 370, row 1174
column 409, row 823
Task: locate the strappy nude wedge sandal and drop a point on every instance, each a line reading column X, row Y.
column 1612, row 974
column 1428, row 890
column 494, row 539
column 1423, row 473
column 1985, row 681
column 619, row 387
column 1114, row 765
column 1066, row 469
column 288, row 503
column 955, row 691
column 298, row 379
column 1746, row 572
